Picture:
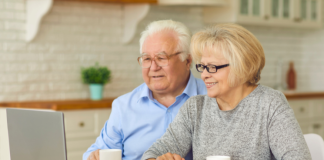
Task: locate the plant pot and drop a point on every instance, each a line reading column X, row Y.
column 96, row 91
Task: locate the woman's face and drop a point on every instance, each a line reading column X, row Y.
column 216, row 83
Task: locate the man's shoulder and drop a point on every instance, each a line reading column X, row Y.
column 132, row 96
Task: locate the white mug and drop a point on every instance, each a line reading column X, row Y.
column 218, row 158
column 110, row 154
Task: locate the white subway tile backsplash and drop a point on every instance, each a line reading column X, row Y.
column 15, row 6
column 79, row 34
column 15, row 88
column 2, row 26
column 20, row 16
column 40, row 87
column 9, row 78
column 7, row 15
column 20, row 26
column 9, row 97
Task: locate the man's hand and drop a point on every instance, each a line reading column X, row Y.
column 94, row 155
column 170, row 156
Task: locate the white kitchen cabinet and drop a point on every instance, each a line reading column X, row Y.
column 278, row 13
column 301, row 109
column 309, row 114
column 82, row 127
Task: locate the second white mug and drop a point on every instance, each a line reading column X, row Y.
column 110, row 154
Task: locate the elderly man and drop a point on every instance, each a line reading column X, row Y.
column 142, row 116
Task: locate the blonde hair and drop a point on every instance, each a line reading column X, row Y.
column 182, row 32
column 239, row 46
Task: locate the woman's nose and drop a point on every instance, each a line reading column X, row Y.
column 205, row 74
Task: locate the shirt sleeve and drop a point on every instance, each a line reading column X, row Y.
column 111, row 134
column 177, row 138
column 286, row 139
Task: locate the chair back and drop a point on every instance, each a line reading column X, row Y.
column 315, row 144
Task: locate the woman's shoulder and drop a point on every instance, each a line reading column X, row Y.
column 272, row 100
column 270, row 94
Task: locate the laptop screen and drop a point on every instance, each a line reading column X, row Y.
column 36, row 135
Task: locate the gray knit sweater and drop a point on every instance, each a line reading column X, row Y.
column 261, row 127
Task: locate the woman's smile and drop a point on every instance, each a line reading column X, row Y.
column 210, row 84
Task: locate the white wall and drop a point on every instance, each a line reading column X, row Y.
column 76, row 34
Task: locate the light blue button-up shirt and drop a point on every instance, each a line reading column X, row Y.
column 137, row 120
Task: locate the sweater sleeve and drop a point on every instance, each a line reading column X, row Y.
column 177, row 138
column 286, row 139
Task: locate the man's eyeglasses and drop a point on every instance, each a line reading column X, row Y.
column 161, row 60
column 210, row 68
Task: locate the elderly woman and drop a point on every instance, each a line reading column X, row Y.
column 238, row 117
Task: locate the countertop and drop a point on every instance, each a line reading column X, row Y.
column 61, row 105
column 303, row 95
column 106, row 103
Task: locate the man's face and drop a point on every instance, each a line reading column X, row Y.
column 170, row 78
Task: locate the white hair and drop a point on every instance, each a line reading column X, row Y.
column 183, row 33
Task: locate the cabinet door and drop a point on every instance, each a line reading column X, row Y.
column 282, row 9
column 282, row 13
column 76, row 148
column 305, row 126
column 276, row 13
column 296, row 13
column 317, row 108
column 82, row 127
column 301, row 109
column 317, row 127
column 251, row 11
column 308, row 13
column 85, row 123
column 250, row 8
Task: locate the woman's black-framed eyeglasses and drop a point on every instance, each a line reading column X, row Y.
column 210, row 68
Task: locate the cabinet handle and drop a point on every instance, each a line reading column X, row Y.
column 316, row 126
column 81, row 124
column 266, row 17
column 297, row 19
column 301, row 109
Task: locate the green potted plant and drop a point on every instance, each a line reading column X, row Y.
column 96, row 76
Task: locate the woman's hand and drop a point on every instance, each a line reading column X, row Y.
column 170, row 156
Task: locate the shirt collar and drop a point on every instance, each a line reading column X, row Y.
column 190, row 90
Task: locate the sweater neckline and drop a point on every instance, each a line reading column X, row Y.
column 255, row 91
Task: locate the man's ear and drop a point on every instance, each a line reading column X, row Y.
column 189, row 61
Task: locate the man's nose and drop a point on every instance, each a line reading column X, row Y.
column 154, row 66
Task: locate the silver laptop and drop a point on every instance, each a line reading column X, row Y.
column 36, row 135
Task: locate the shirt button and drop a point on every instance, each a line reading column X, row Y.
column 169, row 111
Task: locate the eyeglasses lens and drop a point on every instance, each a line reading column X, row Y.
column 160, row 60
column 210, row 68
column 200, row 68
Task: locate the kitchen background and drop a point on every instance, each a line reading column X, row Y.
column 75, row 34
